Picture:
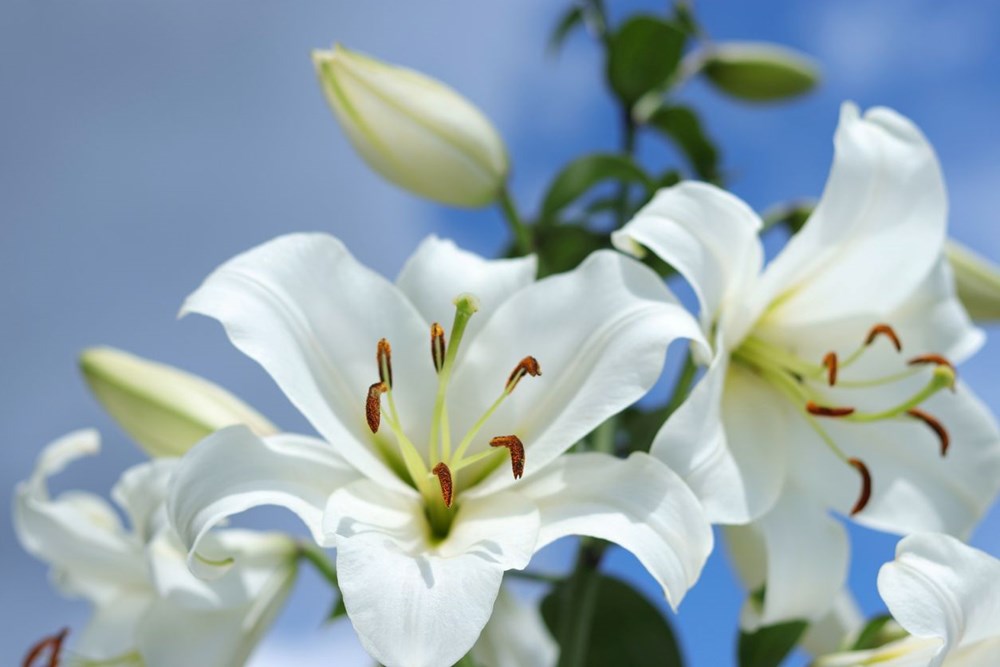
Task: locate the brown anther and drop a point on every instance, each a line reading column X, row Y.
column 866, row 485
column 927, row 359
column 527, row 366
column 53, row 644
column 373, row 405
column 826, row 411
column 437, row 346
column 888, row 332
column 516, row 448
column 830, row 364
column 935, row 425
column 384, row 359
column 443, row 473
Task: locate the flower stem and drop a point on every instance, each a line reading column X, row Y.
column 579, row 603
column 317, row 557
column 522, row 235
column 682, row 388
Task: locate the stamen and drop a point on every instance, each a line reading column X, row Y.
column 373, row 405
column 444, row 478
column 935, row 425
column 830, row 364
column 384, row 359
column 826, row 411
column 53, row 643
column 516, row 448
column 888, row 332
column 935, row 359
column 527, row 366
column 437, row 346
column 866, row 485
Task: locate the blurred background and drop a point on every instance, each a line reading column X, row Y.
column 143, row 143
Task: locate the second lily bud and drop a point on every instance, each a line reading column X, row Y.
column 413, row 130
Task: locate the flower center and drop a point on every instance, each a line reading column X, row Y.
column 804, row 383
column 436, row 476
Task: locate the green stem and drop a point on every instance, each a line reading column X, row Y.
column 603, row 439
column 579, row 603
column 317, row 557
column 534, row 576
column 522, row 235
column 682, row 388
column 628, row 148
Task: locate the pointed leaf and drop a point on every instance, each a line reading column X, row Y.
column 585, row 172
column 769, row 645
column 682, row 126
column 571, row 20
column 643, row 56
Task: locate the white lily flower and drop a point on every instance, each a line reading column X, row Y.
column 828, row 383
column 148, row 608
column 413, row 482
column 946, row 594
column 515, row 636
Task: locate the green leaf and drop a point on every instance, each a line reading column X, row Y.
column 585, row 172
column 643, row 56
column 562, row 247
column 791, row 214
column 339, row 610
column 874, row 634
column 682, row 126
column 769, row 645
column 759, row 72
column 626, row 628
column 572, row 19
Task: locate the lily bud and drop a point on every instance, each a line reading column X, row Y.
column 758, row 71
column 977, row 280
column 164, row 409
column 413, row 130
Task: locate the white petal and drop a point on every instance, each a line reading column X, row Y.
column 233, row 470
column 516, row 636
column 726, row 441
column 710, row 237
column 417, row 605
column 885, row 186
column 940, row 588
column 600, row 334
column 806, row 555
column 312, row 315
column 831, row 632
column 637, row 503
column 111, row 629
column 907, row 652
column 142, row 493
column 439, row 271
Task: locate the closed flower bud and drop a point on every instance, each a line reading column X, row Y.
column 759, row 72
column 415, row 131
column 164, row 409
column 977, row 280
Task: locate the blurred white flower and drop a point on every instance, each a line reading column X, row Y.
column 413, row 483
column 809, row 402
column 947, row 596
column 515, row 636
column 148, row 608
column 413, row 130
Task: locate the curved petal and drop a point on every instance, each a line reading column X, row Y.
column 515, row 636
column 600, row 334
column 907, row 652
column 832, row 632
column 417, row 605
column 637, row 503
column 885, row 185
column 142, row 493
column 710, row 237
column 234, row 469
column 110, row 632
column 726, row 441
column 439, row 271
column 806, row 555
column 312, row 315
column 940, row 588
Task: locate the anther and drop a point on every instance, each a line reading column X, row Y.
column 516, row 448
column 830, row 364
column 866, row 485
column 54, row 645
column 926, row 359
column 888, row 332
column 826, row 411
column 527, row 366
column 437, row 346
column 935, row 425
column 384, row 359
column 373, row 405
column 443, row 473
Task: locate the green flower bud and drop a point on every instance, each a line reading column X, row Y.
column 759, row 72
column 977, row 280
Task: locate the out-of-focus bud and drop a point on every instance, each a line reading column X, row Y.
column 415, row 131
column 164, row 409
column 758, row 71
column 977, row 280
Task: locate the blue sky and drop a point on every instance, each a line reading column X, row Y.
column 141, row 144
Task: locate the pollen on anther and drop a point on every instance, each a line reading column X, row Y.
column 826, row 411
column 866, row 485
column 830, row 364
column 928, row 359
column 443, row 473
column 527, row 366
column 54, row 645
column 437, row 346
column 516, row 448
column 384, row 359
column 935, row 425
column 373, row 405
column 888, row 332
